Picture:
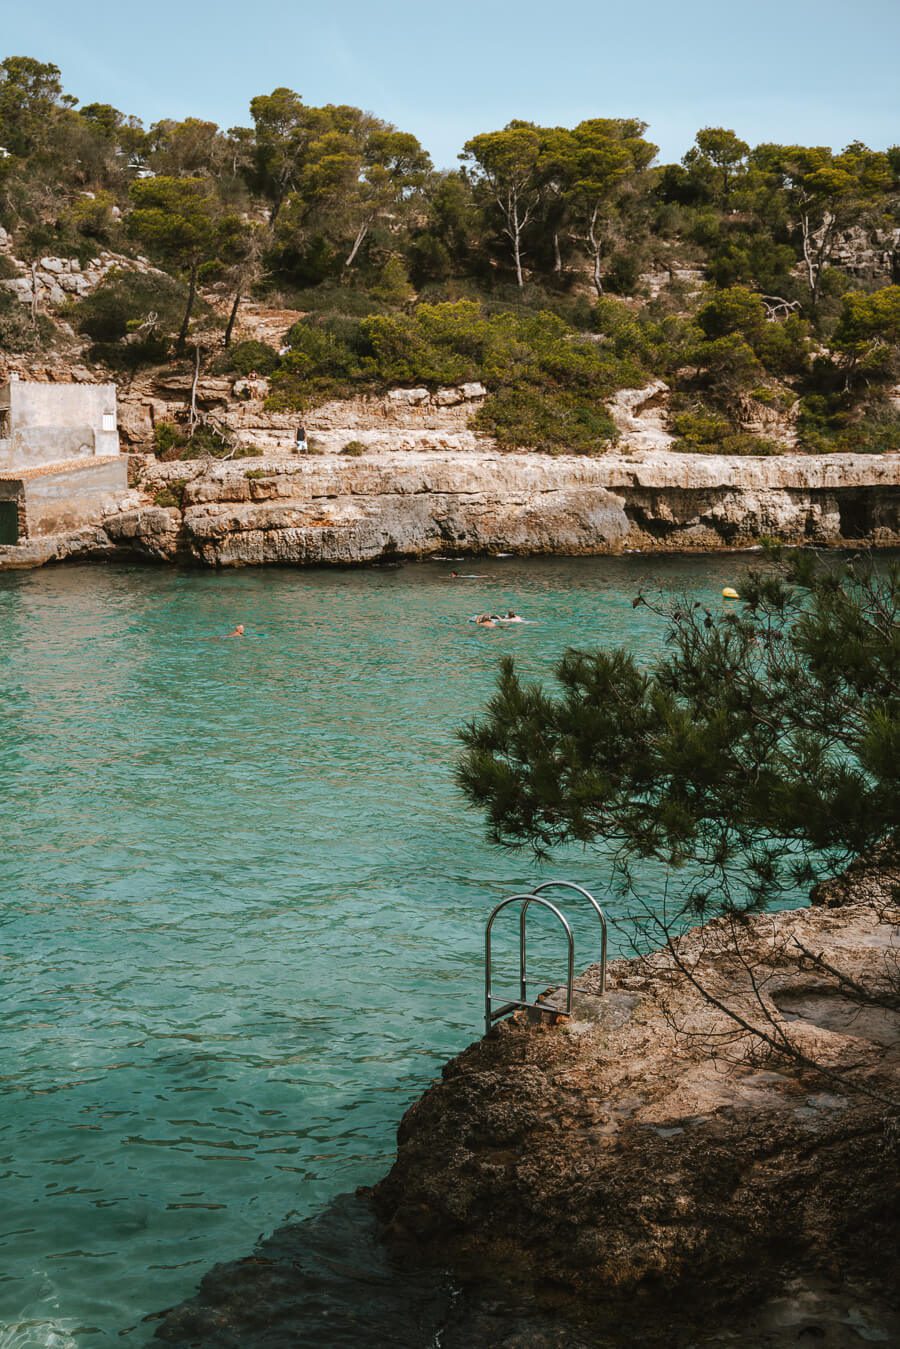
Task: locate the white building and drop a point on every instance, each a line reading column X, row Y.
column 60, row 466
column 54, row 423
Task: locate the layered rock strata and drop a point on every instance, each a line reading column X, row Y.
column 334, row 509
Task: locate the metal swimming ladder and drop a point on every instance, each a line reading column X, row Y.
column 537, row 897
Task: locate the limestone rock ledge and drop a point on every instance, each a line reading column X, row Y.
column 644, row 1165
column 335, row 509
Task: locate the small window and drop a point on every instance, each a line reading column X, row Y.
column 4, row 423
column 109, row 421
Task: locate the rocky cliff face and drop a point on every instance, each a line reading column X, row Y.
column 53, row 281
column 334, row 509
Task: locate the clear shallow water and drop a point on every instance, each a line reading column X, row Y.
column 242, row 904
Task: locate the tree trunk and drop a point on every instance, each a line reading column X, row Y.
column 358, row 242
column 811, row 276
column 229, row 326
column 557, row 256
column 34, row 296
column 185, row 322
column 517, row 253
column 596, row 250
column 194, row 382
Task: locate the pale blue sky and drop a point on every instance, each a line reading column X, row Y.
column 810, row 71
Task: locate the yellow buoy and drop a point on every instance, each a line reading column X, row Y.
column 730, row 594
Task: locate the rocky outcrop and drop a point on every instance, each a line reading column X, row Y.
column 646, row 1172
column 55, row 280
column 640, row 417
column 333, row 509
column 402, row 419
column 650, row 1164
column 322, row 509
column 874, row 879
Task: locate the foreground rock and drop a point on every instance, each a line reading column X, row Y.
column 641, row 1175
column 650, row 1165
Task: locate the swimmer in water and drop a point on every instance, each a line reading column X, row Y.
column 238, row 632
column 485, row 621
column 513, row 617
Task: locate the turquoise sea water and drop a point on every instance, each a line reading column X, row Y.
column 242, row 904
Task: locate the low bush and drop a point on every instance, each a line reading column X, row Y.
column 701, row 431
column 354, row 448
column 18, row 332
column 833, row 424
column 547, row 381
column 549, row 422
column 176, row 442
column 172, row 494
column 246, row 358
column 125, row 301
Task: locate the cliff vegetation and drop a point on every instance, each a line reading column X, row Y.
column 555, row 265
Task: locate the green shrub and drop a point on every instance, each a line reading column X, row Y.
column 166, row 436
column 202, row 444
column 354, row 448
column 18, row 332
column 546, row 380
column 246, row 357
column 393, row 285
column 701, row 431
column 832, row 424
column 172, row 494
column 551, row 423
column 254, row 474
column 124, row 301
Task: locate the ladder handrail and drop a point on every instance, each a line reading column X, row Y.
column 565, row 885
column 526, row 901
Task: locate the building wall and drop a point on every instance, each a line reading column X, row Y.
column 57, row 502
column 48, row 422
column 39, row 445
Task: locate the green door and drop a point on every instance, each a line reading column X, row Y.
column 9, row 522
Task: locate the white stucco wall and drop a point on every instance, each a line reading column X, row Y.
column 46, row 423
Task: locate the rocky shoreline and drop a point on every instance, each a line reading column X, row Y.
column 334, row 509
column 641, row 1173
column 647, row 1160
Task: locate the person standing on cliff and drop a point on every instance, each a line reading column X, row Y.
column 302, row 446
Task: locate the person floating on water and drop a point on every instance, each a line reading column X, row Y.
column 468, row 576
column 489, row 620
column 302, row 446
column 238, row 632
